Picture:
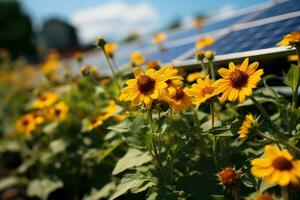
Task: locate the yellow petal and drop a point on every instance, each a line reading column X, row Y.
column 261, row 172
column 284, row 178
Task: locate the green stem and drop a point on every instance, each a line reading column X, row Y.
column 212, row 112
column 112, row 70
column 212, row 70
column 295, row 95
column 236, row 193
column 274, row 128
column 211, row 105
column 284, row 193
column 295, row 149
column 156, row 150
column 261, row 109
column 204, row 68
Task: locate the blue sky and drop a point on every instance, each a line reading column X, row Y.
column 158, row 13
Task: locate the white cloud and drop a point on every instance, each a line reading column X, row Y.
column 115, row 20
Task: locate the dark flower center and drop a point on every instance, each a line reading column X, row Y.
column 145, row 83
column 238, row 79
column 281, row 163
column 207, row 90
column 43, row 98
column 179, row 94
column 57, row 112
column 25, row 122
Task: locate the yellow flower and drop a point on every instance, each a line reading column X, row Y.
column 159, row 37
column 110, row 48
column 37, row 118
column 276, row 166
column 292, row 58
column 180, row 101
column 50, row 66
column 209, row 55
column 58, row 111
column 198, row 22
column 173, row 82
column 45, row 100
column 78, row 56
column 97, row 121
column 26, row 124
column 87, row 70
column 94, row 123
column 237, row 82
column 262, row 196
column 194, row 76
column 245, row 128
column 204, row 42
column 109, row 110
column 201, row 91
column 146, row 86
column 153, row 65
column 290, row 39
column 137, row 58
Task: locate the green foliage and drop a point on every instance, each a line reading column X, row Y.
column 43, row 187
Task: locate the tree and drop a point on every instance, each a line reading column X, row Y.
column 16, row 33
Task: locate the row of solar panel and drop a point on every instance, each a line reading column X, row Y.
column 253, row 38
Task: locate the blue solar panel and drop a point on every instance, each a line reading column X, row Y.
column 279, row 9
column 170, row 53
column 260, row 37
column 208, row 27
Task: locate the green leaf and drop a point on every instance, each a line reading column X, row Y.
column 291, row 79
column 121, row 127
column 42, row 188
column 135, row 183
column 58, row 146
column 102, row 193
column 8, row 182
column 133, row 158
column 264, row 186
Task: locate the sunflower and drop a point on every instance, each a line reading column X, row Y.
column 45, row 100
column 26, row 124
column 237, row 82
column 204, row 42
column 194, row 76
column 159, row 37
column 58, row 111
column 180, row 101
column 146, row 86
column 137, row 58
column 276, row 166
column 201, row 91
column 110, row 48
column 292, row 39
column 245, row 128
column 262, row 196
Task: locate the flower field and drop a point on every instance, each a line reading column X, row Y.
column 158, row 133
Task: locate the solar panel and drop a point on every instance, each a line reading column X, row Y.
column 260, row 37
column 279, row 9
column 247, row 31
